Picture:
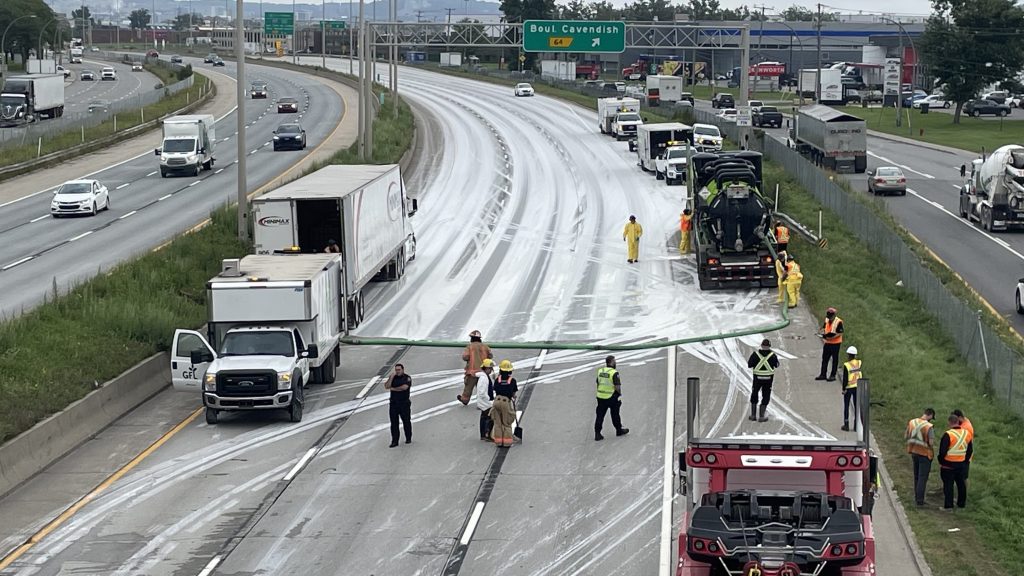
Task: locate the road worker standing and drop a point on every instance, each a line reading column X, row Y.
column 780, row 273
column 955, row 450
column 764, row 362
column 685, row 229
column 832, row 338
column 631, row 235
column 851, row 374
column 793, row 280
column 781, row 237
column 920, row 437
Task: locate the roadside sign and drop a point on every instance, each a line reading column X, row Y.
column 574, row 36
column 278, row 23
column 522, row 58
column 743, row 115
column 333, row 24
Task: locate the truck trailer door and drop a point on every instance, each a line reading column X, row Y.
column 186, row 376
column 273, row 226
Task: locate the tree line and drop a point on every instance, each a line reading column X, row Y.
column 649, row 11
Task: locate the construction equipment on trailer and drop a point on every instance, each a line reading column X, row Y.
column 732, row 220
column 777, row 504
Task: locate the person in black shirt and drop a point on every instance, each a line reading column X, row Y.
column 401, row 406
column 764, row 363
column 503, row 409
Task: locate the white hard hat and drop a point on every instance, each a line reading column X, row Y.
column 852, row 350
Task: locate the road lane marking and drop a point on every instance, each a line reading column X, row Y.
column 151, row 173
column 882, row 158
column 219, row 170
column 908, row 168
column 667, row 494
column 366, row 389
column 970, row 225
column 80, row 236
column 38, row 219
column 13, row 264
column 95, row 492
column 194, row 183
column 478, row 510
column 127, row 215
column 210, row 566
column 540, row 359
column 125, row 185
column 164, row 197
column 300, row 464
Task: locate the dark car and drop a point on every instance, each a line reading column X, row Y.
column 210, row 58
column 218, row 62
column 723, row 100
column 767, row 116
column 287, row 105
column 978, row 107
column 258, row 90
column 175, row 59
column 289, row 137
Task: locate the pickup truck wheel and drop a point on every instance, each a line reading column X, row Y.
column 329, row 369
column 295, row 408
column 1020, row 307
column 211, row 416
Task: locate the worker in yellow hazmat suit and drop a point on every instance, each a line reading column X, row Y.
column 780, row 272
column 793, row 279
column 631, row 235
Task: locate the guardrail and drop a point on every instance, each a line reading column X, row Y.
column 36, row 132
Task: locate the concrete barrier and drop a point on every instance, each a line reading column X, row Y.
column 36, row 448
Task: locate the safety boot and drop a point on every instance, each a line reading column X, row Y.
column 762, row 417
column 753, row 411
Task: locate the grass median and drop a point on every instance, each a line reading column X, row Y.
column 124, row 120
column 57, row 352
column 936, row 127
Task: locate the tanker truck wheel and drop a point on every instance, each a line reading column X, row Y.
column 986, row 218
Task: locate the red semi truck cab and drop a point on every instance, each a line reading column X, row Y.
column 776, row 505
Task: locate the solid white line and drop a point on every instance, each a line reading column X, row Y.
column 13, row 264
column 32, row 195
column 905, row 167
column 80, row 236
column 38, row 219
column 971, row 226
column 298, row 465
column 882, row 158
column 151, row 173
column 125, row 185
column 665, row 562
column 957, row 186
column 540, row 359
column 127, row 215
column 164, row 197
column 373, row 381
column 210, row 566
column 473, row 520
column 194, row 183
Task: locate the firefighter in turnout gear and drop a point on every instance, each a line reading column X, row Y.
column 793, row 279
column 764, row 363
column 920, row 437
column 851, row 374
column 780, row 273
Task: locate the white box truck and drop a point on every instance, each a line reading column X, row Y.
column 76, row 54
column 273, row 326
column 31, row 97
column 558, row 70
column 451, row 59
column 831, row 85
column 188, row 145
column 363, row 209
column 653, row 139
column 37, row 66
column 609, row 108
column 668, row 88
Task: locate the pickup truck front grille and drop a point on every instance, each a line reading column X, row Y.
column 249, row 383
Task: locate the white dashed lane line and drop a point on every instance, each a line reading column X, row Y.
column 38, row 219
column 125, row 185
column 80, row 236
column 13, row 264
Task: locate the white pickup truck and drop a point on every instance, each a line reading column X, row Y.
column 671, row 165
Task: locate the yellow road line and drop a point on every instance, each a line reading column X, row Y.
column 280, row 176
column 74, row 508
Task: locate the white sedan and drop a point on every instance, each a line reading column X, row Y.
column 934, row 101
column 79, row 197
column 136, row 66
column 729, row 115
column 524, row 89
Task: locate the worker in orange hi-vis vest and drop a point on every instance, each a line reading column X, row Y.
column 920, row 438
column 781, row 237
column 685, row 229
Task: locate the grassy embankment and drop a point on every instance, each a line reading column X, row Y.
column 55, row 353
column 125, row 120
column 972, row 134
column 913, row 365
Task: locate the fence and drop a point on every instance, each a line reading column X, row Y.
column 78, row 121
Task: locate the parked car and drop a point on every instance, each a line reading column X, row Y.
column 871, row 96
column 99, row 106
column 853, row 97
column 1014, row 101
column 887, row 180
column 289, row 136
column 258, row 90
column 175, row 59
column 87, row 75
column 723, row 100
column 524, row 89
column 287, row 104
column 933, row 101
column 79, row 197
column 108, row 73
column 979, row 107
column 997, row 96
column 908, row 102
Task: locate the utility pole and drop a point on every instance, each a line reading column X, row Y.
column 817, row 71
column 899, row 90
column 744, row 100
column 760, row 36
column 448, row 31
column 351, row 41
column 243, row 200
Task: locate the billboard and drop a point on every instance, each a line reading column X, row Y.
column 892, row 76
column 768, row 70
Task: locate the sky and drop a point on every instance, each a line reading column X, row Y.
column 916, row 7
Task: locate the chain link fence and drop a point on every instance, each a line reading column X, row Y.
column 42, row 130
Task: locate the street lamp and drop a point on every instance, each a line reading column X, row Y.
column 899, row 90
column 3, row 43
column 801, row 42
column 39, row 49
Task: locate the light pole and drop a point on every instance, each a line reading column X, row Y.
column 39, row 50
column 323, row 35
column 899, row 91
column 801, row 42
column 3, row 42
column 242, row 190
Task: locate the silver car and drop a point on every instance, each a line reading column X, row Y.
column 887, row 180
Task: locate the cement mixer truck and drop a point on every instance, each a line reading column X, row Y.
column 993, row 193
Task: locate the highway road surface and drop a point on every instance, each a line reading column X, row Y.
column 79, row 93
column 147, row 210
column 519, row 235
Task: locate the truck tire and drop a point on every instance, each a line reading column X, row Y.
column 211, row 416
column 198, row 169
column 295, row 408
column 986, row 218
column 329, row 369
column 1020, row 305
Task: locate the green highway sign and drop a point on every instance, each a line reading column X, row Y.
column 278, row 23
column 574, row 36
column 333, row 24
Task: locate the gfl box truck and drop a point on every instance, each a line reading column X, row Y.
column 363, row 210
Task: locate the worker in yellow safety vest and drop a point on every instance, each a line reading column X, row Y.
column 685, row 229
column 955, row 450
column 793, row 279
column 609, row 393
column 781, row 237
column 965, row 423
column 764, row 362
column 631, row 235
column 920, row 437
column 851, row 374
